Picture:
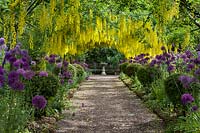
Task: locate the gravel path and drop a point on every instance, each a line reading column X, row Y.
column 105, row 105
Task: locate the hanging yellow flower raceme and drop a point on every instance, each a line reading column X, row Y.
column 66, row 31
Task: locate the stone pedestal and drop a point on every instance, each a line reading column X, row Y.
column 103, row 69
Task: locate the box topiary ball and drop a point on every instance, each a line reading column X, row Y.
column 132, row 69
column 44, row 85
column 123, row 66
column 147, row 74
column 174, row 88
column 80, row 70
column 73, row 70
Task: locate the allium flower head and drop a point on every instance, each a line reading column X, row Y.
column 39, row 102
column 194, row 108
column 17, row 85
column 21, row 71
column 70, row 81
column 51, row 60
column 59, row 65
column 65, row 63
column 28, row 74
column 2, row 80
column 67, row 74
column 153, row 62
column 1, row 71
column 24, row 53
column 158, row 57
column 186, row 80
column 197, row 72
column 188, row 53
column 25, row 66
column 186, row 98
column 13, row 76
column 17, row 63
column 2, row 41
column 184, row 56
column 43, row 74
column 12, row 59
column 62, row 81
column 170, row 68
column 190, row 67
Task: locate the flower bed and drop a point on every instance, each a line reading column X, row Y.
column 169, row 85
column 31, row 95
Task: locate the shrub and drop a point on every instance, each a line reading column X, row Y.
column 73, row 70
column 146, row 75
column 174, row 88
column 132, row 69
column 80, row 70
column 123, row 66
column 41, row 85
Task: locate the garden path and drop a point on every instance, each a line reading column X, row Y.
column 103, row 104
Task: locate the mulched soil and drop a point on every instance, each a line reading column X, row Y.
column 103, row 104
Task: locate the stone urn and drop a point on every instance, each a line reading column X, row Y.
column 103, row 68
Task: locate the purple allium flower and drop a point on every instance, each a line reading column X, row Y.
column 67, row 75
column 158, row 57
column 62, row 81
column 51, row 60
column 3, row 47
column 186, row 98
column 198, row 53
column 70, row 81
column 12, row 77
column 65, row 63
column 153, row 62
column 59, row 65
column 8, row 55
column 39, row 102
column 170, row 68
column 197, row 60
column 28, row 74
column 163, row 58
column 194, row 108
column 2, row 80
column 17, row 63
column 168, row 62
column 43, row 74
column 12, row 59
column 33, row 63
column 17, row 85
column 1, row 71
column 17, row 50
column 188, row 53
column 197, row 72
column 21, row 71
column 25, row 65
column 24, row 53
column 184, row 56
column 190, row 67
column 53, row 56
column 186, row 80
column 2, row 41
